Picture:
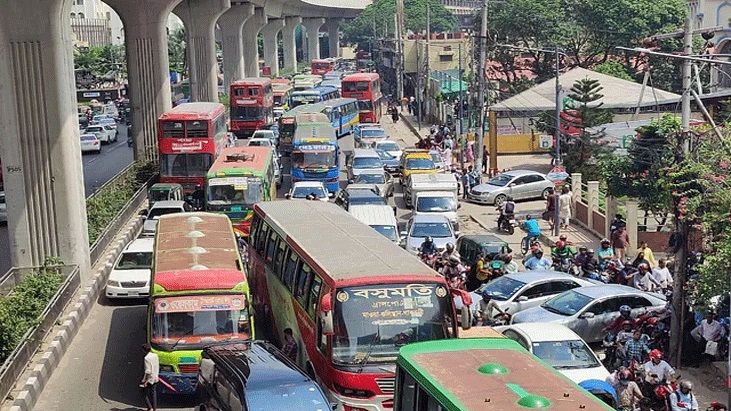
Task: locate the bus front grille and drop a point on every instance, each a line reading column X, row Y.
column 188, row 368
column 386, row 384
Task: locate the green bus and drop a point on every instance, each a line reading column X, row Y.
column 287, row 124
column 239, row 178
column 477, row 374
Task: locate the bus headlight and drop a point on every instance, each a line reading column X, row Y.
column 350, row 392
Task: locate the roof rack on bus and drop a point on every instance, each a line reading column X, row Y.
column 236, row 157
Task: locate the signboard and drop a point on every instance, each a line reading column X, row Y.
column 92, row 94
column 545, row 141
column 186, row 146
column 199, row 303
column 245, row 102
column 315, row 147
column 557, row 173
column 239, row 183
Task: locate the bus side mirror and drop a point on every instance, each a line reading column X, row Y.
column 326, row 315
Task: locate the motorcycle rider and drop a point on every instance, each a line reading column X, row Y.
column 198, row 197
column 428, row 249
column 484, row 314
column 533, row 229
column 538, row 262
column 634, row 349
column 563, row 253
column 657, row 371
column 510, row 266
column 581, row 258
column 616, row 326
column 682, row 399
column 507, row 212
column 627, row 391
column 449, row 251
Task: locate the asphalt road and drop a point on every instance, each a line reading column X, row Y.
column 98, row 169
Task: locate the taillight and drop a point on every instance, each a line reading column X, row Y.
column 96, row 143
column 350, row 408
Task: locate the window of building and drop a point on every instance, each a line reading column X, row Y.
column 80, row 3
column 81, row 15
column 73, row 15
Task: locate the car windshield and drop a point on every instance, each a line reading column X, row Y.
column 235, row 191
column 373, row 321
column 372, row 133
column 437, row 230
column 384, row 155
column 192, row 322
column 567, row 303
column 260, row 143
column 303, row 192
column 156, row 212
column 131, row 260
column 373, row 198
column 158, row 195
column 312, row 158
column 370, row 179
column 565, row 355
column 501, row 288
column 436, row 157
column 435, row 204
column 420, row 164
column 500, row 180
column 367, row 162
column 389, row 146
column 388, row 231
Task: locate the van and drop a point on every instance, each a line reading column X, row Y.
column 362, row 159
column 161, row 208
column 438, row 202
column 428, row 182
column 164, row 192
column 130, row 275
column 379, row 217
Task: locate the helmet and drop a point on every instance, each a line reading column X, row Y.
column 643, row 267
column 625, row 308
column 611, row 265
column 562, row 237
column 652, row 321
column 686, row 384
column 625, row 374
column 560, row 244
column 604, row 241
column 655, row 354
column 583, row 248
column 428, row 240
column 528, row 217
column 590, row 251
column 450, row 247
column 453, row 260
column 626, row 322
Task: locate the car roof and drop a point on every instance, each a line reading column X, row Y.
column 87, row 135
column 479, row 238
column 168, row 203
column 429, row 218
column 545, row 331
column 516, row 173
column 362, row 191
column 538, row 275
column 141, row 244
column 365, row 152
column 607, row 290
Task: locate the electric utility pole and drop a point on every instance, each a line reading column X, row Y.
column 398, row 59
column 481, row 105
column 427, row 103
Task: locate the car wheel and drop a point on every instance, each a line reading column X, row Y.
column 500, row 199
column 100, row 150
column 545, row 193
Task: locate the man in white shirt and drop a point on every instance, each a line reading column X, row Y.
column 151, row 377
column 643, row 280
column 682, row 399
column 661, row 275
column 657, row 371
column 710, row 330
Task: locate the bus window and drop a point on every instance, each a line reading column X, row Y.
column 262, row 238
column 291, row 269
column 314, row 295
column 303, row 277
column 271, row 246
column 253, row 91
column 254, row 230
column 407, row 392
column 238, row 92
column 279, row 258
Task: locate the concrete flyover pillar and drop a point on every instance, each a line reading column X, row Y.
column 199, row 17
column 39, row 135
column 148, row 68
column 289, row 45
column 231, row 23
column 270, row 33
column 251, row 48
column 333, row 37
column 313, row 40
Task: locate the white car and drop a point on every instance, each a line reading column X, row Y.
column 90, row 143
column 3, row 209
column 560, row 347
column 101, row 133
column 268, row 134
column 301, row 189
column 130, row 277
column 439, row 162
column 389, row 146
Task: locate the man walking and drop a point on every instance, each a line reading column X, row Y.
column 151, row 377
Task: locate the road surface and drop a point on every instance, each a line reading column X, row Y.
column 98, row 169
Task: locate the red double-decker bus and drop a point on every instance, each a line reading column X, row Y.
column 321, row 66
column 190, row 137
column 351, row 296
column 252, row 105
column 366, row 88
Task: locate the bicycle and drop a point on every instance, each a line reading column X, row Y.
column 529, row 242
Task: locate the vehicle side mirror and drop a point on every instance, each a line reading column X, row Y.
column 351, row 181
column 288, row 196
column 511, row 185
column 522, row 298
column 395, row 211
column 587, row 315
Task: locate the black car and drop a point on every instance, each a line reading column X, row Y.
column 390, row 163
column 358, row 196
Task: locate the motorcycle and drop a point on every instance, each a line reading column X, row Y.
column 610, row 351
column 507, row 224
column 429, row 259
column 562, row 265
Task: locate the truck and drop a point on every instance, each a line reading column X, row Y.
column 433, row 194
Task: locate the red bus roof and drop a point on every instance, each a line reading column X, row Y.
column 360, row 77
column 281, row 81
column 194, row 111
column 321, row 61
column 250, row 157
column 252, row 81
column 195, row 251
column 334, row 242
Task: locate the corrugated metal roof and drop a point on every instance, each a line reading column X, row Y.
column 618, row 93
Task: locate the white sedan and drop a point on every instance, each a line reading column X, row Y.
column 90, row 143
column 560, row 347
column 389, row 146
column 130, row 277
column 301, row 189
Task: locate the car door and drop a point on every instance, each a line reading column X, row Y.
column 517, row 188
column 531, row 296
column 603, row 312
column 533, row 186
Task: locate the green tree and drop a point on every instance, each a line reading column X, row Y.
column 177, row 51
column 614, row 69
column 379, row 16
column 102, row 61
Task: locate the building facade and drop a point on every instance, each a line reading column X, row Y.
column 94, row 23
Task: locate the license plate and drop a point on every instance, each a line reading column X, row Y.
column 134, row 293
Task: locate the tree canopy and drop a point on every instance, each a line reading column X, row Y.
column 379, row 16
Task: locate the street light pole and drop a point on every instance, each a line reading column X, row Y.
column 557, row 143
column 460, row 135
column 479, row 140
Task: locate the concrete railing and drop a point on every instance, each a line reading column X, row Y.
column 17, row 361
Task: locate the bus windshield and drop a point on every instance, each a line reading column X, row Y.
column 251, row 113
column 372, row 322
column 325, row 158
column 365, row 105
column 310, row 98
column 192, row 322
column 185, row 165
column 235, row 191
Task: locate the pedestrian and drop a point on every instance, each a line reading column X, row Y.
column 620, row 242
column 647, row 251
column 394, row 114
column 710, row 332
column 151, row 377
column 412, row 105
column 550, row 207
column 564, row 207
column 465, row 183
column 485, row 156
column 471, row 177
column 289, row 348
column 468, row 152
column 616, row 223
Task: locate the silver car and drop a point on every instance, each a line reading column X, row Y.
column 421, row 226
column 519, row 184
column 587, row 310
column 378, row 178
column 516, row 292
